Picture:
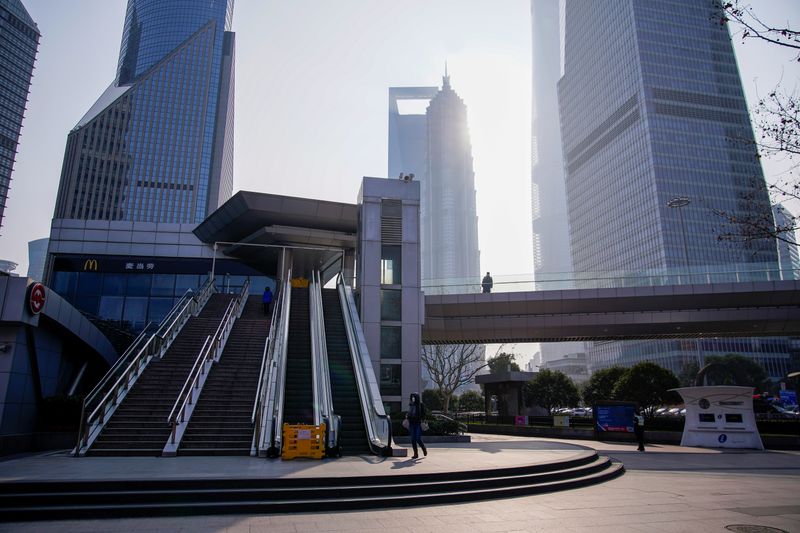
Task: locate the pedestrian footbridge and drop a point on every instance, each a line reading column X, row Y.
column 731, row 309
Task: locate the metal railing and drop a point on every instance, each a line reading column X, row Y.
column 703, row 274
column 320, row 376
column 271, row 416
column 103, row 400
column 378, row 423
column 211, row 351
column 267, row 366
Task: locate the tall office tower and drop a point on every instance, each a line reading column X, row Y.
column 551, row 250
column 157, row 146
column 435, row 147
column 37, row 256
column 788, row 257
column 652, row 117
column 18, row 47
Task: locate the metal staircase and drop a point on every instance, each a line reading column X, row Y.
column 138, row 425
column 221, row 422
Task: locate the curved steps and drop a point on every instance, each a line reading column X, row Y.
column 50, row 500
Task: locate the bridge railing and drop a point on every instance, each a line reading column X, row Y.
column 727, row 273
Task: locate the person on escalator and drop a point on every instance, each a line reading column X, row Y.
column 266, row 300
column 416, row 415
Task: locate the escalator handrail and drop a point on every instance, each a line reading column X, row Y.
column 274, row 396
column 321, row 379
column 273, row 321
column 371, row 406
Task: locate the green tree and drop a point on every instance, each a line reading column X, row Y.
column 471, row 401
column 688, row 373
column 551, row 390
column 432, row 399
column 502, row 362
column 601, row 385
column 734, row 369
column 648, row 385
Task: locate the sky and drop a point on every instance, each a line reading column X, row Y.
column 312, row 79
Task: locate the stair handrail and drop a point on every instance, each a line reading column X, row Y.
column 102, row 386
column 320, row 370
column 272, row 415
column 378, row 423
column 266, row 360
column 134, row 360
column 208, row 355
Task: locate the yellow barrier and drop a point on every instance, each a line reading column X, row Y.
column 299, row 283
column 303, row 440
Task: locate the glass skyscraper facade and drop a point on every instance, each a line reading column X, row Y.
column 19, row 42
column 157, row 146
column 652, row 109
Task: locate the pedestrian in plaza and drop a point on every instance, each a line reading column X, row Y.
column 416, row 416
column 487, row 283
column 266, row 300
column 638, row 429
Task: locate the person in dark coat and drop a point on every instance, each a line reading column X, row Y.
column 638, row 429
column 487, row 283
column 416, row 414
column 266, row 300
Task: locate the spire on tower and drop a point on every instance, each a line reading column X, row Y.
column 446, row 77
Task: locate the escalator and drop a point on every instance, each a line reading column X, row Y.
column 353, row 438
column 298, row 402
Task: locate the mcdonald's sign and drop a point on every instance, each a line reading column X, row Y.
column 90, row 264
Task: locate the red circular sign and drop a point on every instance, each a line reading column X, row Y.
column 36, row 298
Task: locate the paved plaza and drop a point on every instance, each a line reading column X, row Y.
column 668, row 488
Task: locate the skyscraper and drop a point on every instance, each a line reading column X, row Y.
column 550, row 222
column 157, row 146
column 652, row 109
column 435, row 147
column 788, row 256
column 18, row 47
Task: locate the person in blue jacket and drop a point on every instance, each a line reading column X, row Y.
column 416, row 414
column 266, row 300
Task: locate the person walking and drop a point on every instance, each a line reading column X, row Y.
column 266, row 300
column 416, row 414
column 487, row 283
column 638, row 429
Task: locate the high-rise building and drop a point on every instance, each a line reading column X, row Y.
column 37, row 256
column 18, row 47
column 157, row 146
column 552, row 258
column 652, row 117
column 550, row 222
column 788, row 256
column 435, row 147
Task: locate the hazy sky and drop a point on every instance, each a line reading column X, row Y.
column 312, row 80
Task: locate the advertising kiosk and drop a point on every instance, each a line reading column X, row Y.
column 720, row 417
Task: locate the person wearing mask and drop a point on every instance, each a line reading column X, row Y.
column 416, row 414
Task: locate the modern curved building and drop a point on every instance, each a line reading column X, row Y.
column 157, row 146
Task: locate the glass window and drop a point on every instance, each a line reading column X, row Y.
column 163, row 285
column 390, row 380
column 392, row 408
column 390, row 342
column 87, row 303
column 390, row 304
column 390, row 265
column 89, row 282
column 111, row 307
column 135, row 313
column 138, row 284
column 64, row 283
column 114, row 285
column 185, row 281
column 159, row 308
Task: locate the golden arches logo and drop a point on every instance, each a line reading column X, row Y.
column 90, row 264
